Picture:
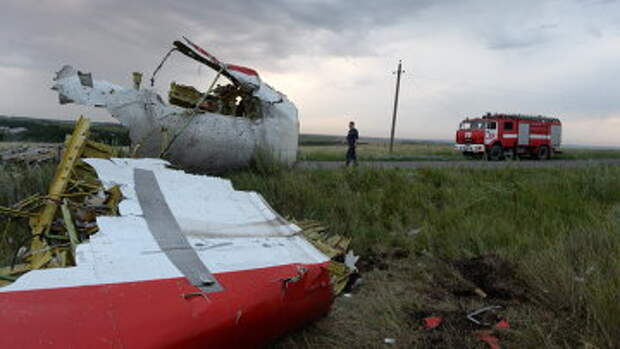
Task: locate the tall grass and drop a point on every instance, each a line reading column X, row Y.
column 560, row 227
column 18, row 182
column 366, row 204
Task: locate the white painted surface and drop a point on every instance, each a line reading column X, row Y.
column 230, row 231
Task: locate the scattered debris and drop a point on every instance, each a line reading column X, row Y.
column 471, row 315
column 350, row 260
column 343, row 266
column 480, row 292
column 389, row 340
column 432, row 322
column 452, row 286
column 502, row 324
column 488, row 337
column 31, row 153
column 414, row 232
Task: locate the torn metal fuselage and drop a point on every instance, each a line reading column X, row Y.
column 193, row 138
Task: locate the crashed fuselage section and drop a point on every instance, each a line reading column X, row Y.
column 225, row 127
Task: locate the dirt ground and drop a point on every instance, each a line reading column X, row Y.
column 407, row 301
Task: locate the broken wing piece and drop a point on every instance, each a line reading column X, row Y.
column 74, row 86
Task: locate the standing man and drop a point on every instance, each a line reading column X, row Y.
column 352, row 137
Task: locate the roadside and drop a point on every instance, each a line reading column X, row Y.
column 379, row 152
column 461, row 164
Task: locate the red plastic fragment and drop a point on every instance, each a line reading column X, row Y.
column 487, row 337
column 432, row 322
column 502, row 324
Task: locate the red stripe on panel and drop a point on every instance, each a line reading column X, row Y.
column 255, row 307
column 241, row 69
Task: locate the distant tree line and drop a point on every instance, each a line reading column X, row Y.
column 55, row 131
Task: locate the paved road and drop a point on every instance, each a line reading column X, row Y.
column 462, row 164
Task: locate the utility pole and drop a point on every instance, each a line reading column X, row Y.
column 398, row 73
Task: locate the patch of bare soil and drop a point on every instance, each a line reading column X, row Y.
column 496, row 277
column 415, row 301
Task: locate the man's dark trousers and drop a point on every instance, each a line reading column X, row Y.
column 351, row 156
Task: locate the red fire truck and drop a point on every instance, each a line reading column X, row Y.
column 499, row 136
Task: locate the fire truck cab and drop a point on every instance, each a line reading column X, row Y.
column 498, row 136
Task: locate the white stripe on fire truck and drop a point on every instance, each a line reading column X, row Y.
column 540, row 137
column 510, row 136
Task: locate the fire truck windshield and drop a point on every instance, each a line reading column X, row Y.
column 472, row 125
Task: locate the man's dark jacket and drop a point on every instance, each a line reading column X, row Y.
column 352, row 137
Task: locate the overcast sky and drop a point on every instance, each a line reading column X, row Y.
column 334, row 59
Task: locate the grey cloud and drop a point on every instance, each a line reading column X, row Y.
column 516, row 38
column 241, row 29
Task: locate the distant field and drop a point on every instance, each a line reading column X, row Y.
column 378, row 151
column 429, row 151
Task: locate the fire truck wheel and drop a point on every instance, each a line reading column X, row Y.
column 543, row 153
column 495, row 153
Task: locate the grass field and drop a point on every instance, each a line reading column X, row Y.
column 551, row 237
column 425, row 152
column 543, row 244
column 379, row 151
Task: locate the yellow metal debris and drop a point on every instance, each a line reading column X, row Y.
column 74, row 186
column 334, row 246
column 66, row 215
column 42, row 222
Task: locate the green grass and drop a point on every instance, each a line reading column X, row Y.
column 560, row 228
column 585, row 153
column 425, row 152
column 380, row 152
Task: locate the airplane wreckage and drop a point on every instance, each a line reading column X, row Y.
column 226, row 127
column 131, row 253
